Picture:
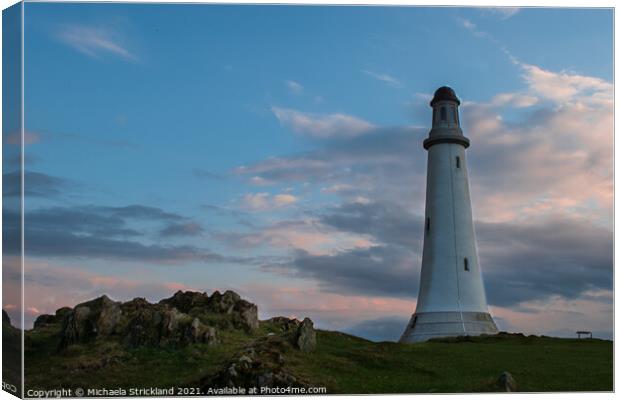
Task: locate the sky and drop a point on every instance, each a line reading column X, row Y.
column 277, row 151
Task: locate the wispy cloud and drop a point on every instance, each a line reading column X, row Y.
column 501, row 12
column 308, row 235
column 517, row 100
column 94, row 42
column 266, row 202
column 322, row 125
column 473, row 28
column 389, row 79
column 294, row 87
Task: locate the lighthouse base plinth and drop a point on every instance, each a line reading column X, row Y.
column 428, row 325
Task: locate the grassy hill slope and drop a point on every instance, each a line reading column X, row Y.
column 347, row 364
column 342, row 363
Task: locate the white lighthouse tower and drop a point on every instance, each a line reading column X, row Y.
column 451, row 299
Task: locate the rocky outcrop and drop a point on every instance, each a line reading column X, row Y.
column 185, row 318
column 5, row 318
column 241, row 314
column 98, row 317
column 223, row 303
column 186, row 301
column 506, row 382
column 246, row 315
column 262, row 364
column 161, row 325
column 48, row 319
column 300, row 334
column 44, row 320
column 306, row 336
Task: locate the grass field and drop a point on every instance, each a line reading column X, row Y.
column 342, row 363
column 347, row 364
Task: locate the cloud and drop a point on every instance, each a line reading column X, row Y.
column 309, row 235
column 541, row 162
column 109, row 233
column 390, row 80
column 36, row 184
column 473, row 28
column 359, row 161
column 332, row 311
column 387, row 223
column 50, row 286
column 516, row 100
column 559, row 316
column 536, row 161
column 16, row 138
column 374, row 271
column 563, row 87
column 322, row 125
column 338, row 188
column 259, row 181
column 182, row 229
column 284, row 199
column 556, row 256
column 94, row 42
column 501, row 12
column 265, row 202
column 294, row 87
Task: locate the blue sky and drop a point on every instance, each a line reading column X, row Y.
column 277, row 151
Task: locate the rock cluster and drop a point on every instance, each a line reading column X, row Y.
column 183, row 319
column 301, row 334
column 263, row 362
column 506, row 382
column 186, row 317
column 242, row 314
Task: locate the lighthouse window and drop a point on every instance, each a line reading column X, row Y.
column 428, row 224
column 458, row 162
column 466, row 264
column 444, row 115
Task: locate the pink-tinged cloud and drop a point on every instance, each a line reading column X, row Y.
column 328, row 310
column 562, row 87
column 16, row 138
column 592, row 311
column 49, row 286
column 266, row 202
column 560, row 159
column 308, row 235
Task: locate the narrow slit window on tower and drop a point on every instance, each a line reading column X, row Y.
column 454, row 115
column 466, row 264
column 458, row 162
column 428, row 224
column 443, row 113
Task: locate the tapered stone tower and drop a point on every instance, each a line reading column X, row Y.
column 451, row 299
